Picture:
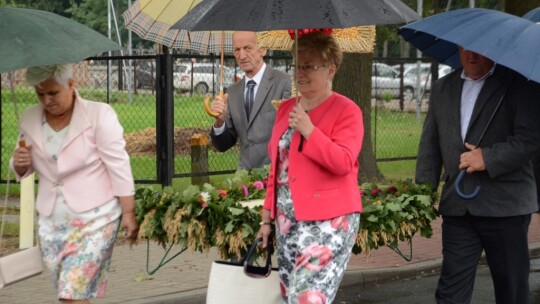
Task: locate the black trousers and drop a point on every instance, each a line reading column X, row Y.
column 504, row 241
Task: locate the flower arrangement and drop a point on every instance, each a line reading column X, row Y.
column 199, row 218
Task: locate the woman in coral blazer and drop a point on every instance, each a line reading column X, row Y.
column 85, row 187
column 312, row 190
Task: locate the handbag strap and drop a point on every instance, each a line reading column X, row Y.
column 269, row 248
column 2, row 226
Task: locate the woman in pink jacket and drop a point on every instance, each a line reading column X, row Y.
column 86, row 188
column 312, row 192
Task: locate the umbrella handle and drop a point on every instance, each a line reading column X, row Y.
column 457, row 186
column 207, row 105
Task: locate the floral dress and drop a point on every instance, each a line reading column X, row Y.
column 312, row 255
column 76, row 247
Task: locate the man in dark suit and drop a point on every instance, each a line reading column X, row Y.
column 252, row 124
column 497, row 220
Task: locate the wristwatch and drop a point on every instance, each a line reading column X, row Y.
column 265, row 223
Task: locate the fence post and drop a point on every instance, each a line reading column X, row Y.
column 165, row 119
column 199, row 159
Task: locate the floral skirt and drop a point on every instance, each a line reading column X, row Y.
column 312, row 255
column 77, row 248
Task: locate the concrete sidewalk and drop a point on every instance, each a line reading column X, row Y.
column 185, row 278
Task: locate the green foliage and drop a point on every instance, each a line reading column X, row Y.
column 394, row 213
column 198, row 218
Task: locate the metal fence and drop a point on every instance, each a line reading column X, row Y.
column 158, row 134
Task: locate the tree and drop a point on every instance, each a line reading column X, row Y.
column 354, row 81
column 520, row 8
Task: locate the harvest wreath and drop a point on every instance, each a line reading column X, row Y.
column 199, row 218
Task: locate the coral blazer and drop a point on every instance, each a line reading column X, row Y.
column 323, row 176
column 92, row 165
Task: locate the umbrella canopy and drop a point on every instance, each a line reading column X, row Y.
column 32, row 37
column 358, row 39
column 533, row 15
column 152, row 19
column 506, row 39
column 264, row 15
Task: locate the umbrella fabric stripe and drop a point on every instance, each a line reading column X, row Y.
column 150, row 20
column 210, row 42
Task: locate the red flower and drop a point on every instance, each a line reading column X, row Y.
column 340, row 222
column 391, row 189
column 283, row 289
column 327, row 31
column 222, row 193
column 314, row 257
column 376, row 192
column 311, row 297
column 265, row 181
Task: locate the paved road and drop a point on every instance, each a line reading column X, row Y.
column 421, row 290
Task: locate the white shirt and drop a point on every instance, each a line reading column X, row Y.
column 469, row 94
column 257, row 78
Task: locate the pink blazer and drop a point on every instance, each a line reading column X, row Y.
column 93, row 165
column 323, row 176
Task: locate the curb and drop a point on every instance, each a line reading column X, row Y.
column 354, row 280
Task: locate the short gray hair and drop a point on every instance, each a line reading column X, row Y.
column 61, row 73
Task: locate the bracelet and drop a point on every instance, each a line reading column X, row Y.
column 265, row 223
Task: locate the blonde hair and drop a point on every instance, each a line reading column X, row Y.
column 325, row 46
column 61, row 73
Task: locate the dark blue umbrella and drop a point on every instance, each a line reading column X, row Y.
column 506, row 39
column 533, row 15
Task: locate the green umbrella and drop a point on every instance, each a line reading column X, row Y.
column 31, row 37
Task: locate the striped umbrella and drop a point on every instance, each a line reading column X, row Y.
column 151, row 20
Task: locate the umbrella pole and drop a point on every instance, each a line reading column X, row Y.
column 295, row 74
column 221, row 63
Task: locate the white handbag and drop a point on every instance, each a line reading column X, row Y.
column 19, row 266
column 241, row 282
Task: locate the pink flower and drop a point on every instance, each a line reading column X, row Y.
column 312, row 297
column 259, row 185
column 90, row 269
column 340, row 222
column 314, row 257
column 284, row 224
column 203, row 198
column 245, row 189
column 77, row 223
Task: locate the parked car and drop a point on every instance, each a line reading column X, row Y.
column 410, row 71
column 386, row 82
column 145, row 75
column 202, row 78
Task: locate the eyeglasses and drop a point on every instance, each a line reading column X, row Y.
column 308, row 68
